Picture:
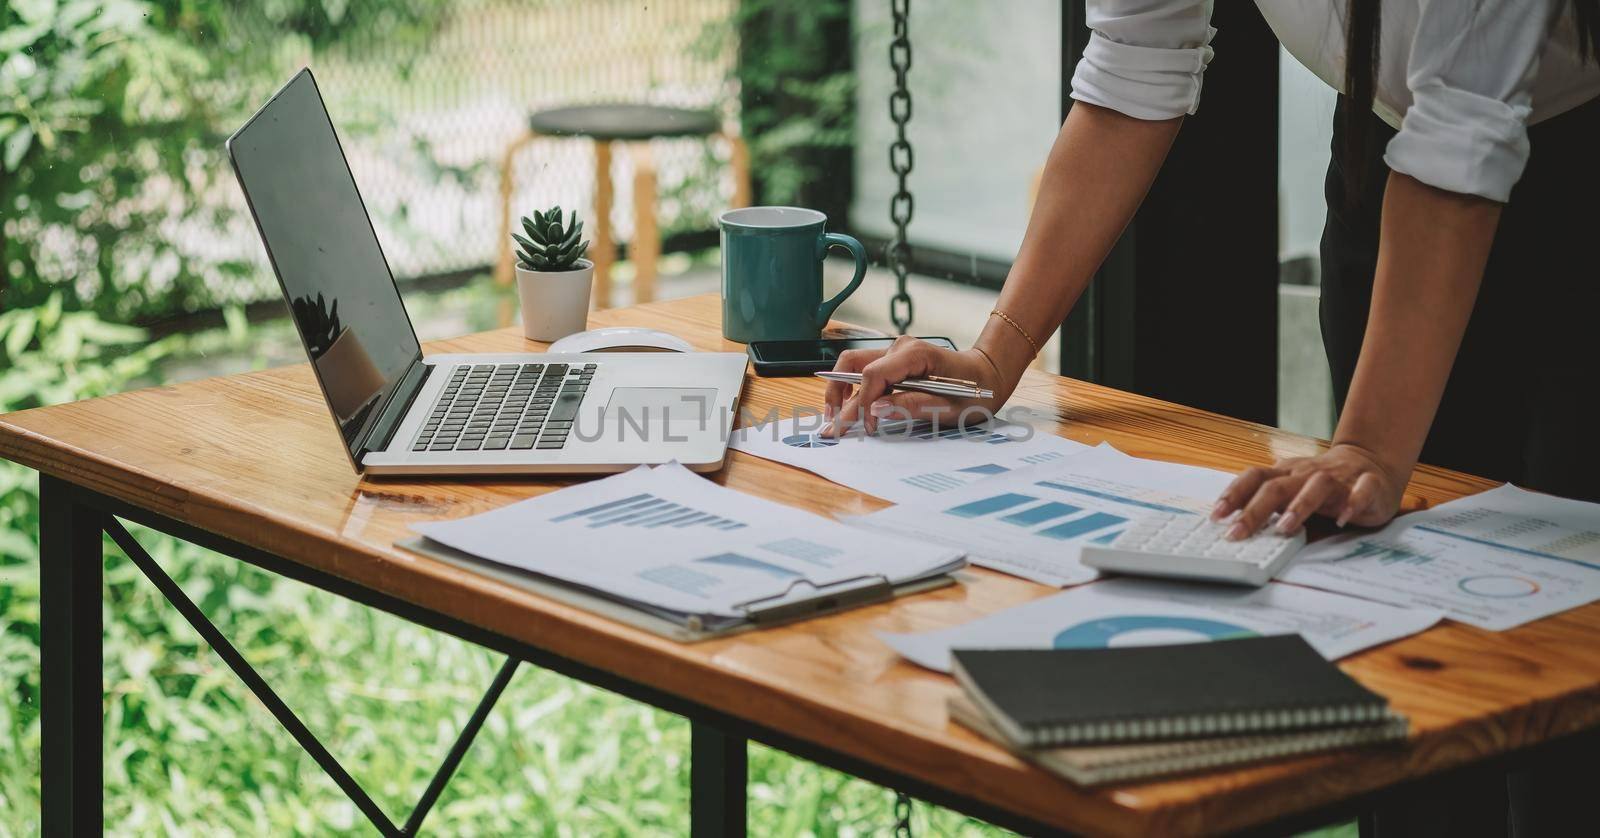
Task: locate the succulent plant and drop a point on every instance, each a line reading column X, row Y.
column 548, row 246
column 318, row 323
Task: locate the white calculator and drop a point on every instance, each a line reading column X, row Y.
column 1193, row 547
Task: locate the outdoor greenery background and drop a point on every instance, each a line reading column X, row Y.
column 112, row 115
column 123, row 264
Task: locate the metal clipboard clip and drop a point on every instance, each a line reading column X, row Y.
column 876, row 588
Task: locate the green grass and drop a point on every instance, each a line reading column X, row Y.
column 189, row 749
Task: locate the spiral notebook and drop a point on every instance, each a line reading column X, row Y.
column 1044, row 697
column 1092, row 765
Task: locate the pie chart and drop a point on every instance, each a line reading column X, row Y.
column 1144, row 630
column 1498, row 587
column 808, row 441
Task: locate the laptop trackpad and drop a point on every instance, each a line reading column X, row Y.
column 639, row 405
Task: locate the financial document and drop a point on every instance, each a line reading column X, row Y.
column 904, row 462
column 670, row 539
column 1494, row 560
column 1034, row 522
column 1132, row 612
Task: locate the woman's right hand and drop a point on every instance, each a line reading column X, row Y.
column 907, row 358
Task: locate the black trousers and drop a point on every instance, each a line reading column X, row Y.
column 1520, row 405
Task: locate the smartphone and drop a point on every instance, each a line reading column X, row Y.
column 804, row 357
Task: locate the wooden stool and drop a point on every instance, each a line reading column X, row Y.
column 635, row 125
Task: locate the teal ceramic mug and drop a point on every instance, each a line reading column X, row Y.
column 772, row 273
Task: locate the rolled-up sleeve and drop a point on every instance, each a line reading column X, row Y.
column 1471, row 73
column 1145, row 58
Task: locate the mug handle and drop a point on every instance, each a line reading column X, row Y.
column 825, row 311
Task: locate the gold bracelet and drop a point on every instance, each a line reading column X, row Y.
column 1024, row 332
column 992, row 365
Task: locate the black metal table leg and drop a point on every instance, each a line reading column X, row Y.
column 70, row 689
column 718, row 766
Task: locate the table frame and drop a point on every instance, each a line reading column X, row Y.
column 74, row 518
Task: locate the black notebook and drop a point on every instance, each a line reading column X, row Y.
column 1044, row 697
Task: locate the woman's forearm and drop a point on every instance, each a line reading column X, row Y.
column 1098, row 171
column 1431, row 257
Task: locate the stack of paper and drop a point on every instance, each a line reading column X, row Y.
column 904, row 462
column 1033, row 522
column 1123, row 612
column 1494, row 560
column 682, row 547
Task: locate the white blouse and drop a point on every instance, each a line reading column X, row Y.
column 1460, row 80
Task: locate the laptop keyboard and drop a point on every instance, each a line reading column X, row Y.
column 495, row 407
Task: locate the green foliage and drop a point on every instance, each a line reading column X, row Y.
column 52, row 356
column 548, row 245
column 113, row 181
column 796, row 96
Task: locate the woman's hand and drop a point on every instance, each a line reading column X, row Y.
column 907, row 358
column 1346, row 483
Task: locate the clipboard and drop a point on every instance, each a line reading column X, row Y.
column 777, row 609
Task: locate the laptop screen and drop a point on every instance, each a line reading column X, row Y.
column 323, row 248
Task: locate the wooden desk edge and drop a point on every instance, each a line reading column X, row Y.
column 37, row 450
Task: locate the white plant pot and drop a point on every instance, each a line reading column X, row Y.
column 555, row 303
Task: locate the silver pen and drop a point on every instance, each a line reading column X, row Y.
column 938, row 385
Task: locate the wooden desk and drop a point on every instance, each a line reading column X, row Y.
column 250, row 464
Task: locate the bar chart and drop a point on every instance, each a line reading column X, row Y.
column 1054, row 519
column 944, row 481
column 646, row 510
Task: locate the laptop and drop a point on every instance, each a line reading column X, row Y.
column 400, row 413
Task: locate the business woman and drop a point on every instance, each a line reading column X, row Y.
column 1460, row 273
column 1461, row 293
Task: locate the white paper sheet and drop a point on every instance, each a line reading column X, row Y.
column 1494, row 560
column 902, row 466
column 671, row 539
column 1130, row 612
column 1034, row 522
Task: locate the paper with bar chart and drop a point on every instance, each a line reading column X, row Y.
column 1494, row 560
column 904, row 462
column 1129, row 612
column 668, row 538
column 1033, row 522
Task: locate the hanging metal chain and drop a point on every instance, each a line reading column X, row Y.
column 898, row 254
column 902, row 815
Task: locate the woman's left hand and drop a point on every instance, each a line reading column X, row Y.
column 1346, row 483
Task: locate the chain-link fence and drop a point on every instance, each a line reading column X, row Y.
column 426, row 123
column 426, row 133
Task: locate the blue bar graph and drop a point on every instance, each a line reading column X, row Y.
column 629, row 511
column 1039, row 514
column 598, row 509
column 661, row 513
column 933, row 481
column 806, row 551
column 637, row 517
column 680, row 578
column 747, row 563
column 980, row 508
column 1143, row 504
column 679, row 516
column 1079, row 526
column 645, row 510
